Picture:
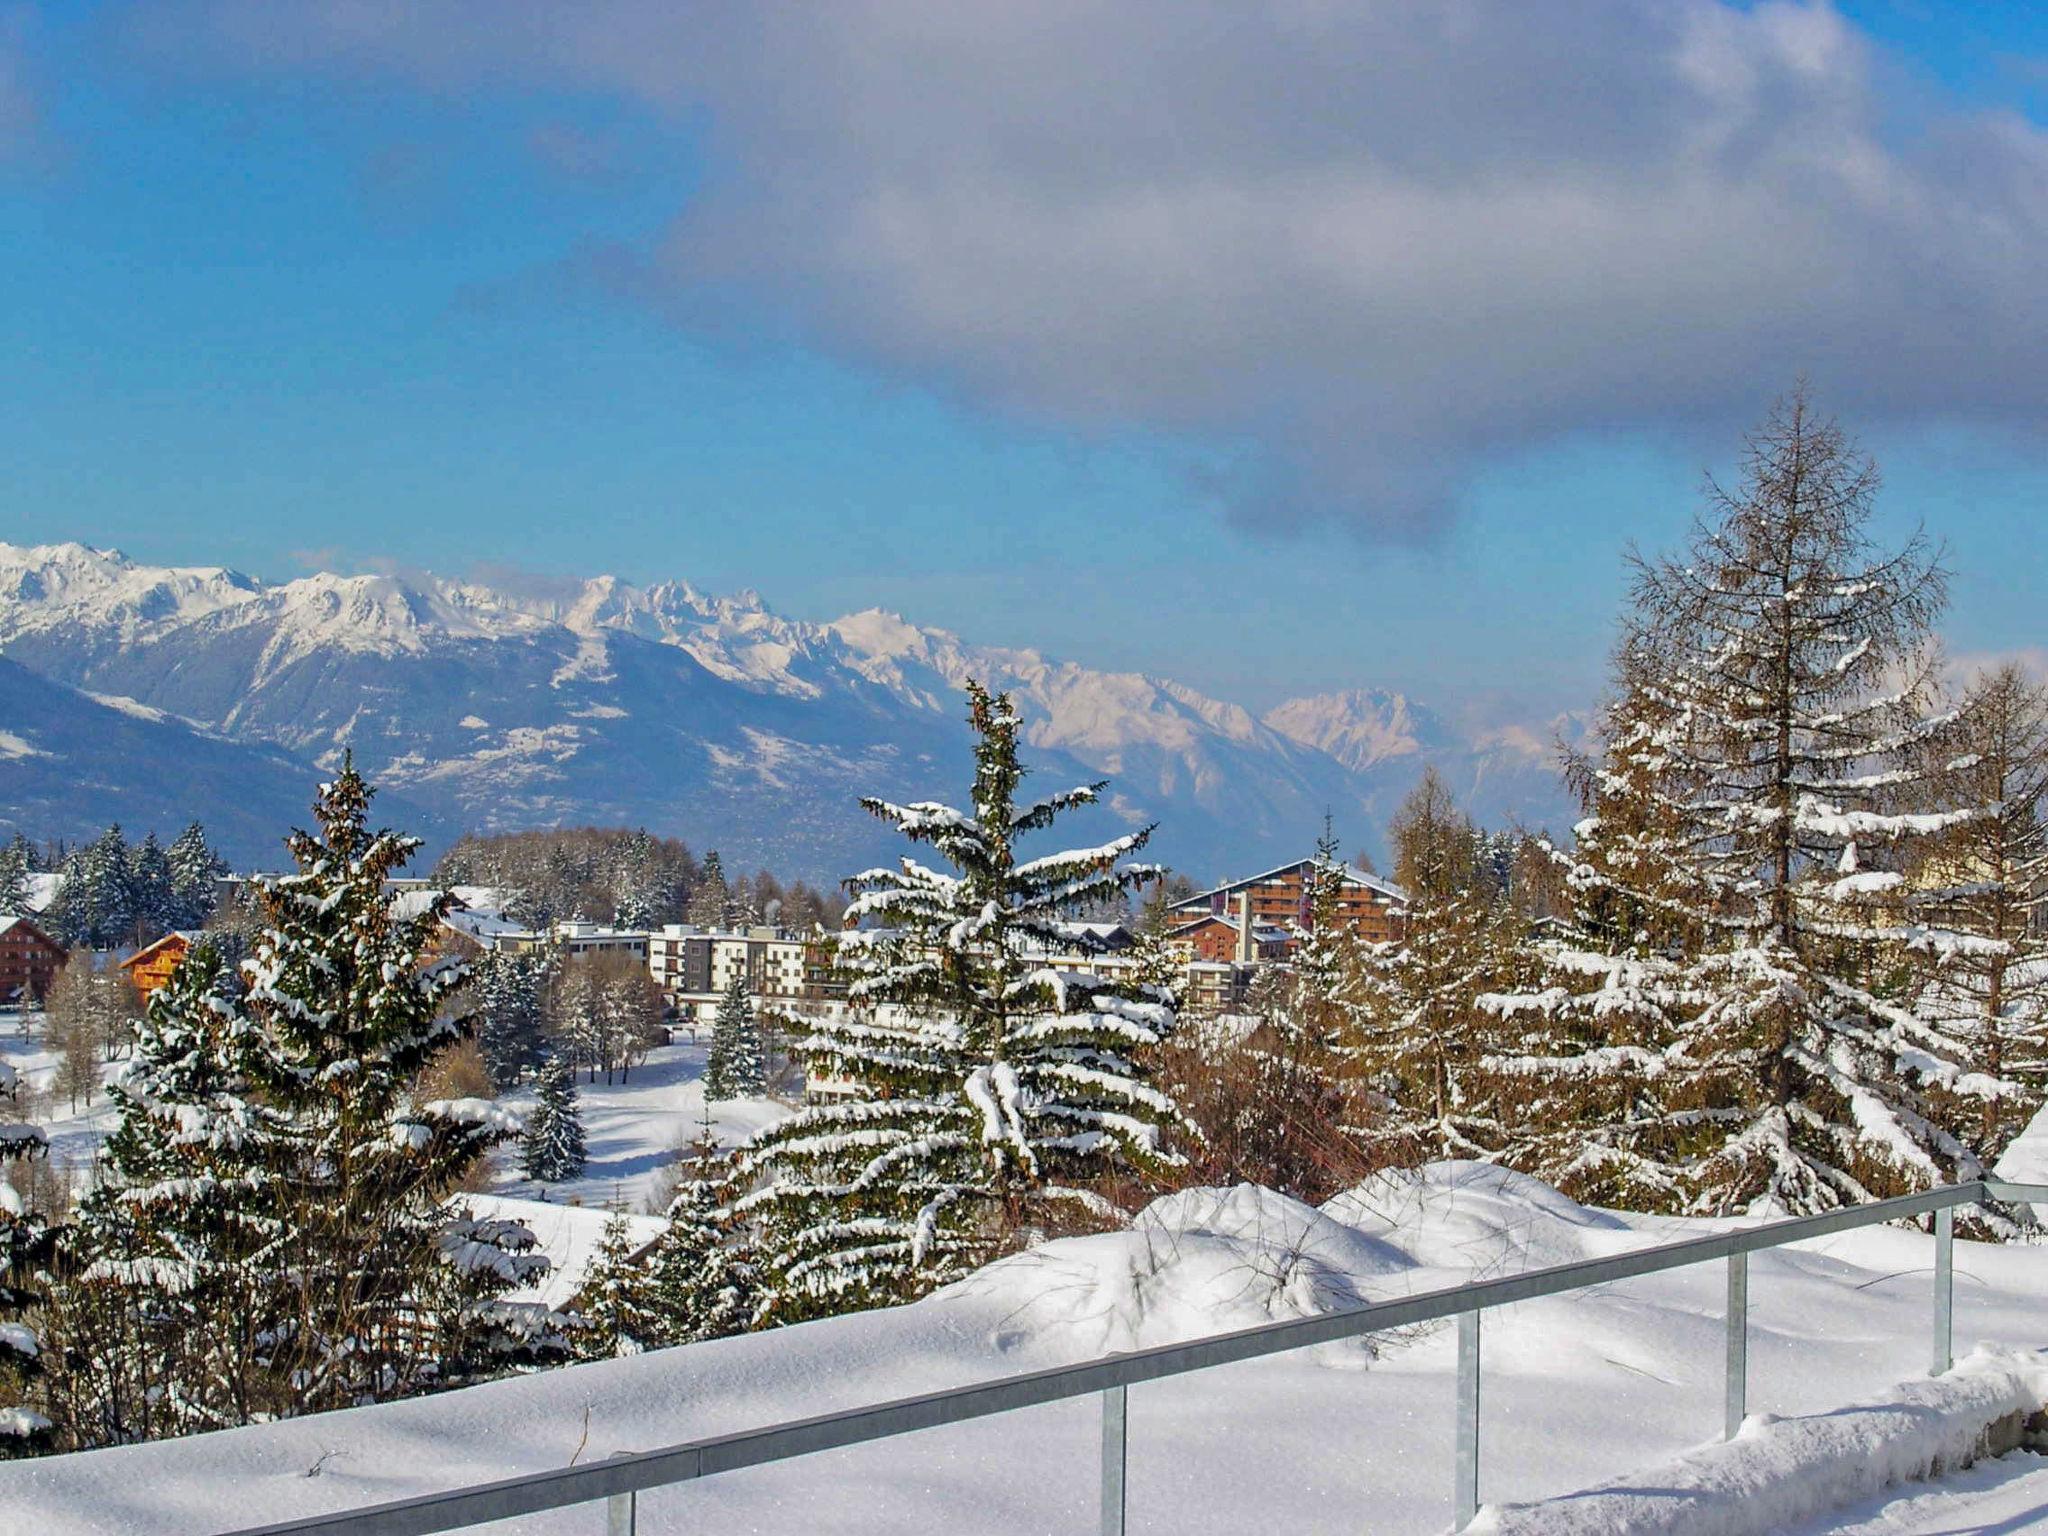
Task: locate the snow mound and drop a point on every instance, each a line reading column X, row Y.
column 1476, row 1218
column 1777, row 1472
column 1199, row 1262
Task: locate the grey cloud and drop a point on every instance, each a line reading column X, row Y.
column 1370, row 246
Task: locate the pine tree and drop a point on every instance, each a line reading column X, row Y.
column 703, row 1288
column 553, row 1151
column 27, row 1242
column 710, row 897
column 155, row 906
column 984, row 1087
column 392, row 1288
column 1596, row 1092
column 1798, row 675
column 1422, row 1037
column 1765, row 819
column 173, row 1300
column 511, row 999
column 1322, row 999
column 14, row 873
column 195, row 872
column 733, row 1069
column 615, row 1308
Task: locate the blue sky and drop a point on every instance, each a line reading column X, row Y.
column 1218, row 369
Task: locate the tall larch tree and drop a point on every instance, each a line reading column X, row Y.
column 1794, row 667
column 1980, row 902
column 982, row 1089
column 1421, row 1036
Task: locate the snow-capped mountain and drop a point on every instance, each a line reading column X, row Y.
column 1362, row 727
column 711, row 717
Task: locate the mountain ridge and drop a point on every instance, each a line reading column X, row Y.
column 712, row 717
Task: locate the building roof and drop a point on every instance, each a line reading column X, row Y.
column 1351, row 873
column 1262, row 933
column 21, row 920
column 185, row 938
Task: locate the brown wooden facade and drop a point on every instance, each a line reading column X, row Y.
column 1369, row 905
column 29, row 960
column 151, row 966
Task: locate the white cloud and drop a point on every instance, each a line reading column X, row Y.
column 1370, row 245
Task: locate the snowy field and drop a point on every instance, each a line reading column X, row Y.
column 634, row 1129
column 1355, row 1438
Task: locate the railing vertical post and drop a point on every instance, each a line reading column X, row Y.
column 1115, row 1407
column 1944, row 1288
column 1735, row 1403
column 620, row 1514
column 1467, row 1469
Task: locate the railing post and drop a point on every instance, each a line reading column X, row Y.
column 621, row 1510
column 1735, row 1406
column 1115, row 1405
column 1944, row 1288
column 1467, row 1468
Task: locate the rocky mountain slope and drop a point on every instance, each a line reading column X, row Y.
column 711, row 717
column 70, row 764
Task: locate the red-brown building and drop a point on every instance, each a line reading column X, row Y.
column 1212, row 923
column 29, row 959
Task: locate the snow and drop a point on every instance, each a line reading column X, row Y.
column 13, row 746
column 1993, row 1498
column 1781, row 1471
column 567, row 1235
column 1579, row 1390
column 634, row 1129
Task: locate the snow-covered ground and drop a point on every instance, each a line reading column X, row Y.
column 1993, row 1498
column 1578, row 1389
column 633, row 1129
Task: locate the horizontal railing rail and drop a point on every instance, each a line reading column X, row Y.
column 618, row 1479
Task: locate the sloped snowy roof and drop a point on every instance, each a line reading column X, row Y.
column 1351, row 873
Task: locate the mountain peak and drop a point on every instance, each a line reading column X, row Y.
column 1360, row 727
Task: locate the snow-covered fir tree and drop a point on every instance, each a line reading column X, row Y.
column 1587, row 1065
column 733, row 1069
column 984, row 1087
column 149, row 874
column 1770, row 812
column 1322, row 997
column 27, row 1241
column 704, row 1286
column 552, row 1149
column 174, row 1297
column 14, row 873
column 511, row 991
column 195, row 873
column 1421, row 1037
column 392, row 1288
column 1799, row 674
column 614, row 1310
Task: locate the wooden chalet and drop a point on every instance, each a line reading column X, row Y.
column 29, row 959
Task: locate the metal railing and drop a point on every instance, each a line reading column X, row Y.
column 619, row 1479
